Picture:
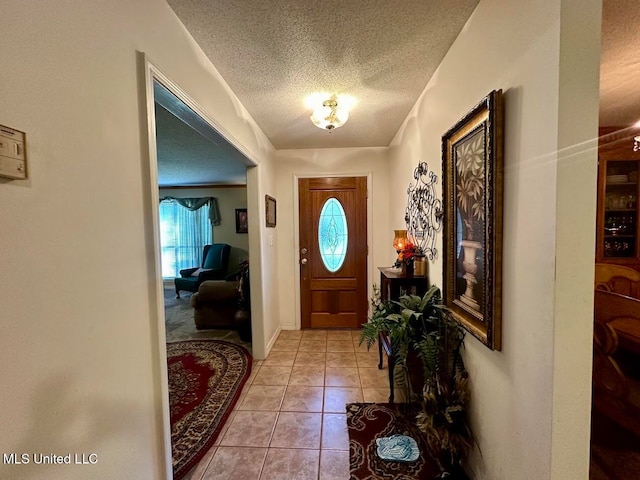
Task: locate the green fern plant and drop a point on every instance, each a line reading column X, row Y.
column 424, row 326
column 411, row 324
column 443, row 418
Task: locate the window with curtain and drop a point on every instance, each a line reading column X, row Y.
column 183, row 234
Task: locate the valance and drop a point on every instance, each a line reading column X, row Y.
column 197, row 203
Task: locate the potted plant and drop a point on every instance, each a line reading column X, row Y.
column 403, row 323
column 443, row 418
column 423, row 328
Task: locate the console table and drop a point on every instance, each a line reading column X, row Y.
column 392, row 286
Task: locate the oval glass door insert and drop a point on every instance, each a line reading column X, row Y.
column 333, row 234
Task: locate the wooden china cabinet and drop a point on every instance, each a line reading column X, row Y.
column 618, row 215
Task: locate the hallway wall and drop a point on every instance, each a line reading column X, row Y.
column 292, row 164
column 80, row 343
column 531, row 401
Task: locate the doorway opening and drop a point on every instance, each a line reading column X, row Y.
column 189, row 157
column 615, row 428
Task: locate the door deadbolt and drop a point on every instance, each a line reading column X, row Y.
column 303, row 251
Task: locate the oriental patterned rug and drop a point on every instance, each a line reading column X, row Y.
column 368, row 421
column 205, row 380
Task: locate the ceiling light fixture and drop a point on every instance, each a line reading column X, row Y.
column 329, row 116
column 636, row 143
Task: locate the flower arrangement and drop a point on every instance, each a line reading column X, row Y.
column 406, row 255
column 408, row 252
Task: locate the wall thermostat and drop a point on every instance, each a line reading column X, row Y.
column 13, row 155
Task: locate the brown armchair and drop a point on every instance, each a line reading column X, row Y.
column 216, row 303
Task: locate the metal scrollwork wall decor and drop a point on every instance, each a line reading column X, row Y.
column 423, row 215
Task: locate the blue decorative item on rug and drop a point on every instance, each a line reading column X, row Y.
column 397, row 448
column 369, row 422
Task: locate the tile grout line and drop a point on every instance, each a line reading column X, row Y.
column 264, row 462
column 324, row 342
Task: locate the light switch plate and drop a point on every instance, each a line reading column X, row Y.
column 13, row 155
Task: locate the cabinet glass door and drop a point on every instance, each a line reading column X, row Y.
column 620, row 217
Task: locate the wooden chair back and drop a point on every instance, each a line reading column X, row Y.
column 613, row 391
column 618, row 279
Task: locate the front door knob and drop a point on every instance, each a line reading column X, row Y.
column 303, row 261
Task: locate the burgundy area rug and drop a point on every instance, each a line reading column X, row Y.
column 368, row 421
column 205, row 380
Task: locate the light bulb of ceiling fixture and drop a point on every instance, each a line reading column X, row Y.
column 329, row 116
column 314, row 100
column 347, row 101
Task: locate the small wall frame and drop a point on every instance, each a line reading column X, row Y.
column 270, row 211
column 242, row 221
column 472, row 167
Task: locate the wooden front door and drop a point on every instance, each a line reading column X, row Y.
column 333, row 252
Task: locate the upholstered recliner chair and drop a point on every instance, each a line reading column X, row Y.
column 215, row 261
column 225, row 304
column 215, row 304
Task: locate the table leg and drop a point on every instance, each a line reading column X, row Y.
column 391, row 361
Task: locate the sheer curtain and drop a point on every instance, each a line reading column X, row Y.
column 185, row 228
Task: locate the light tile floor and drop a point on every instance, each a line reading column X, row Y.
column 290, row 421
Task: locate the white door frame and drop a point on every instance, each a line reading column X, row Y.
column 160, row 372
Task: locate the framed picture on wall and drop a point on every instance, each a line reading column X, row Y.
column 270, row 211
column 472, row 202
column 242, row 225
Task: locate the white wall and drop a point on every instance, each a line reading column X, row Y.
column 264, row 176
column 575, row 235
column 229, row 198
column 531, row 401
column 293, row 164
column 80, row 340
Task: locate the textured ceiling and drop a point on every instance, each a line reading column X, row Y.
column 620, row 64
column 189, row 151
column 185, row 157
column 274, row 53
